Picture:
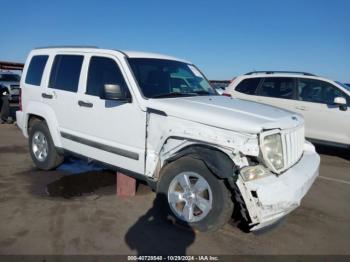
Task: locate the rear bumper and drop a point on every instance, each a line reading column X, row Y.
column 20, row 121
column 269, row 199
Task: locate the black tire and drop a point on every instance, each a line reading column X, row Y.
column 53, row 159
column 222, row 204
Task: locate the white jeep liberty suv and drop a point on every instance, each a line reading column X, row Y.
column 157, row 118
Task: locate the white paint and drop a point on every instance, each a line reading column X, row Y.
column 230, row 125
column 227, row 113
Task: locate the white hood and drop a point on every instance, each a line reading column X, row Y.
column 228, row 113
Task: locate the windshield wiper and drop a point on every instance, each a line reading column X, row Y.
column 174, row 94
column 203, row 92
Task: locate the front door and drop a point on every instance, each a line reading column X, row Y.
column 323, row 119
column 111, row 131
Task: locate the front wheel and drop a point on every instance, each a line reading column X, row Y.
column 42, row 148
column 193, row 196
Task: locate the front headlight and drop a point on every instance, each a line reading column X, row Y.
column 273, row 150
column 254, row 172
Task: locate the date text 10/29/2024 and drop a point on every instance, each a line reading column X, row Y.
column 173, row 258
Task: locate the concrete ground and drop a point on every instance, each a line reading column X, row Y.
column 31, row 222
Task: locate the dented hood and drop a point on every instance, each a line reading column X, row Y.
column 228, row 113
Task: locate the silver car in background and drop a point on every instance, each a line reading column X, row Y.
column 9, row 84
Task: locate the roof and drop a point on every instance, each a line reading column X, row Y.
column 273, row 72
column 131, row 54
column 138, row 54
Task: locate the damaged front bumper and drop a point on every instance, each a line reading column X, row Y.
column 270, row 198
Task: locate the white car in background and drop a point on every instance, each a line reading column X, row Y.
column 324, row 103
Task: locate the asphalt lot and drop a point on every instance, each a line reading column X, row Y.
column 31, row 222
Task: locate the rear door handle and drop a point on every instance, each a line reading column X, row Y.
column 48, row 96
column 303, row 108
column 85, row 104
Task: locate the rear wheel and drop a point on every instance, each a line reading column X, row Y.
column 193, row 196
column 42, row 148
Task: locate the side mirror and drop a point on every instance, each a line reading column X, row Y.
column 341, row 102
column 114, row 92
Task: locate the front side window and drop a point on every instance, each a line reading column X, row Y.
column 36, row 69
column 317, row 91
column 278, row 87
column 65, row 72
column 248, row 86
column 102, row 71
column 167, row 78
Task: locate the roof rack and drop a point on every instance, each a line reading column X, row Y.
column 78, row 46
column 66, row 46
column 285, row 72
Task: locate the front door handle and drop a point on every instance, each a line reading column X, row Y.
column 303, row 108
column 85, row 104
column 48, row 96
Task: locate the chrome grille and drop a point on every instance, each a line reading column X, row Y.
column 293, row 145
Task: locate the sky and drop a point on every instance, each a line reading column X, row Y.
column 223, row 38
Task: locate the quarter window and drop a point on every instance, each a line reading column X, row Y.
column 279, row 87
column 65, row 72
column 317, row 91
column 102, row 71
column 36, row 69
column 248, row 86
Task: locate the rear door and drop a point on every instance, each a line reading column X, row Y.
column 32, row 84
column 324, row 120
column 61, row 92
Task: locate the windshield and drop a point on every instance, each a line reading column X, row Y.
column 159, row 78
column 9, row 78
column 346, row 86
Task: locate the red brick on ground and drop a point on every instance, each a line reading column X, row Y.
column 126, row 186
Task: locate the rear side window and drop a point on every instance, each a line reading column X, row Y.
column 278, row 87
column 36, row 69
column 248, row 86
column 102, row 71
column 65, row 72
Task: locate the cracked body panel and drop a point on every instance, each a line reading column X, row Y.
column 265, row 200
column 168, row 135
column 270, row 198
